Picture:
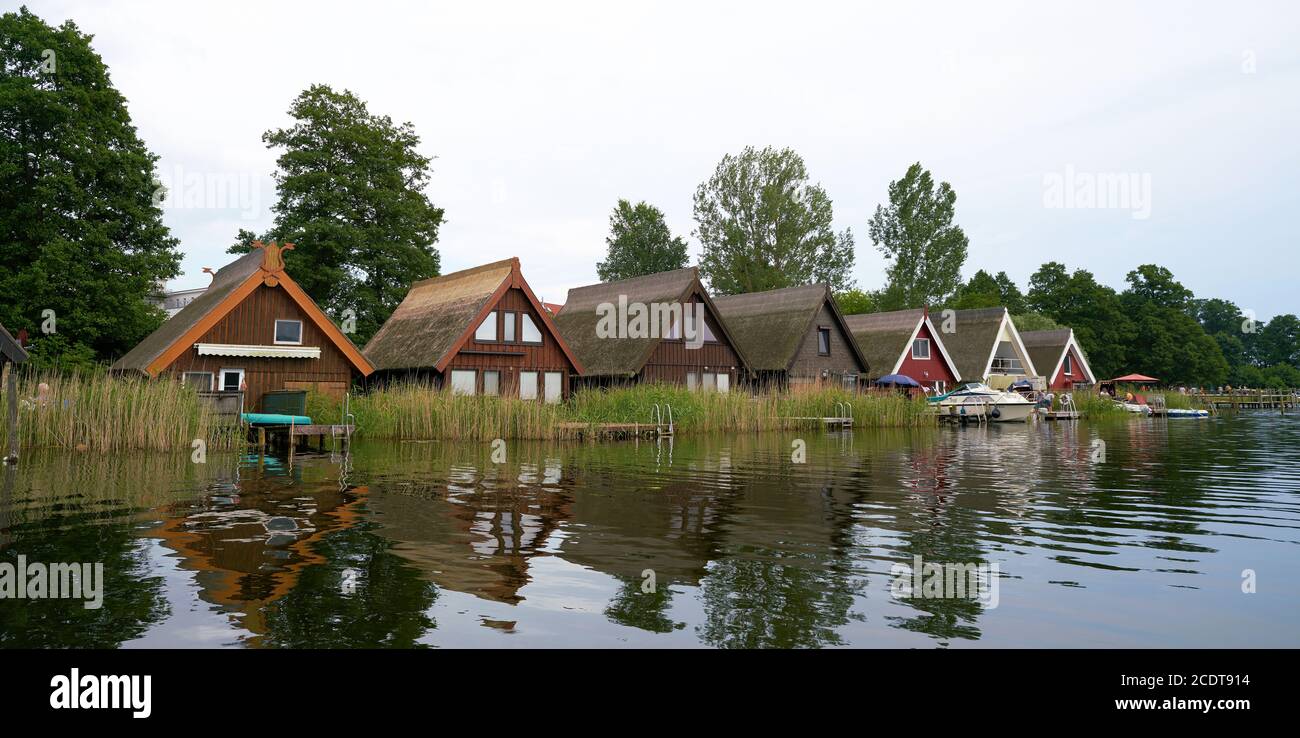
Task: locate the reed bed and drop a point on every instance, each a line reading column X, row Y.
column 101, row 413
column 412, row 412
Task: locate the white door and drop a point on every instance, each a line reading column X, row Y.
column 554, row 382
column 528, row 385
column 724, row 383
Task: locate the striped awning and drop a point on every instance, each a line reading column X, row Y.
column 265, row 352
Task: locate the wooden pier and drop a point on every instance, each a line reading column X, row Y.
column 299, row 436
column 1261, row 400
column 1060, row 414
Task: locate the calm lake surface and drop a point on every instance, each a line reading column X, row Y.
column 432, row 544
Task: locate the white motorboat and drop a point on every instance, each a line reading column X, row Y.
column 975, row 398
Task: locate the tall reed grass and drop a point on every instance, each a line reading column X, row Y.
column 412, row 412
column 107, row 414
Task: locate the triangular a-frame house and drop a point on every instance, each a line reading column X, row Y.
column 904, row 342
column 253, row 331
column 618, row 331
column 986, row 346
column 476, row 331
column 1058, row 354
column 794, row 335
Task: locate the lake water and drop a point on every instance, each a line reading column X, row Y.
column 1146, row 539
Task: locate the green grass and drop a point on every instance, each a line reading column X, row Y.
column 105, row 414
column 406, row 412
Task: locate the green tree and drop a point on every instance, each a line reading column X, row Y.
column 1026, row 322
column 1012, row 298
column 856, row 302
column 81, row 231
column 1278, row 341
column 763, row 226
column 1092, row 309
column 917, row 234
column 1170, row 343
column 639, row 243
column 351, row 200
column 980, row 291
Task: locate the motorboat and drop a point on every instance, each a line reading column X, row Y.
column 975, row 398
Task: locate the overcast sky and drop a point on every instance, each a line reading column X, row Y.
column 542, row 115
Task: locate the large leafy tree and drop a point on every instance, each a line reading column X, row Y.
column 1092, row 309
column 763, row 225
column 1278, row 341
column 856, row 302
column 351, row 186
column 984, row 290
column 917, row 235
column 81, row 231
column 1169, row 342
column 639, row 243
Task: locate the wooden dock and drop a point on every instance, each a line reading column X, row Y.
column 298, row 436
column 1060, row 414
column 1261, row 400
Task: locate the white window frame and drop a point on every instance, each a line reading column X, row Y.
column 1068, row 365
column 490, row 320
column 527, row 388
column 221, row 379
column 526, row 323
column 275, row 336
column 473, row 382
column 509, row 327
column 921, row 341
column 496, row 391
column 211, row 379
column 692, row 382
column 723, row 382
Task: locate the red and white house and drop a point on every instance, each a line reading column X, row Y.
column 904, row 342
column 1058, row 354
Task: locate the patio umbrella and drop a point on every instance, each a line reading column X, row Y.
column 1136, row 379
column 897, row 380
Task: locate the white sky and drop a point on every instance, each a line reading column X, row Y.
column 542, row 115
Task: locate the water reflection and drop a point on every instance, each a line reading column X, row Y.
column 714, row 541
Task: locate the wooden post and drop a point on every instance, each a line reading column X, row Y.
column 261, row 438
column 12, row 393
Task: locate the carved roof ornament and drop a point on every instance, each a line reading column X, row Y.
column 272, row 261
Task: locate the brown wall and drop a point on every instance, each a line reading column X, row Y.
column 808, row 364
column 252, row 322
column 511, row 358
column 671, row 359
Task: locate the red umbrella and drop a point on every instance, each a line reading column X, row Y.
column 1136, row 379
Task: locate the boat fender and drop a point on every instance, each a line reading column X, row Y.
column 996, row 413
column 961, row 411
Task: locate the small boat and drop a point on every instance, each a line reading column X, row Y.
column 1134, row 407
column 1003, row 407
column 1181, row 413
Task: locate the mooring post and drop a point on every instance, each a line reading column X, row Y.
column 12, row 392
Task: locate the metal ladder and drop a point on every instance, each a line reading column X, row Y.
column 660, row 428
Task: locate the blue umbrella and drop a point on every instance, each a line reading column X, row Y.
column 897, row 380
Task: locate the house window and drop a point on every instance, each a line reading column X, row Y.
column 724, row 383
column 231, row 380
column 823, row 341
column 554, row 386
column 492, row 382
column 850, row 381
column 288, row 331
column 1069, row 366
column 921, row 348
column 201, row 381
column 487, row 330
column 508, row 327
column 940, row 386
column 529, row 331
column 692, row 379
column 709, row 381
column 463, row 381
column 528, row 385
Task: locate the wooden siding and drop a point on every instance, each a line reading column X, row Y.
column 671, row 360
column 512, row 358
column 1063, row 382
column 925, row 371
column 808, row 364
column 252, row 322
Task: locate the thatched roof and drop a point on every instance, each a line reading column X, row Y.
column 771, row 326
column 264, row 265
column 227, row 279
column 1047, row 350
column 624, row 357
column 433, row 316
column 9, row 348
column 974, row 338
column 883, row 337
